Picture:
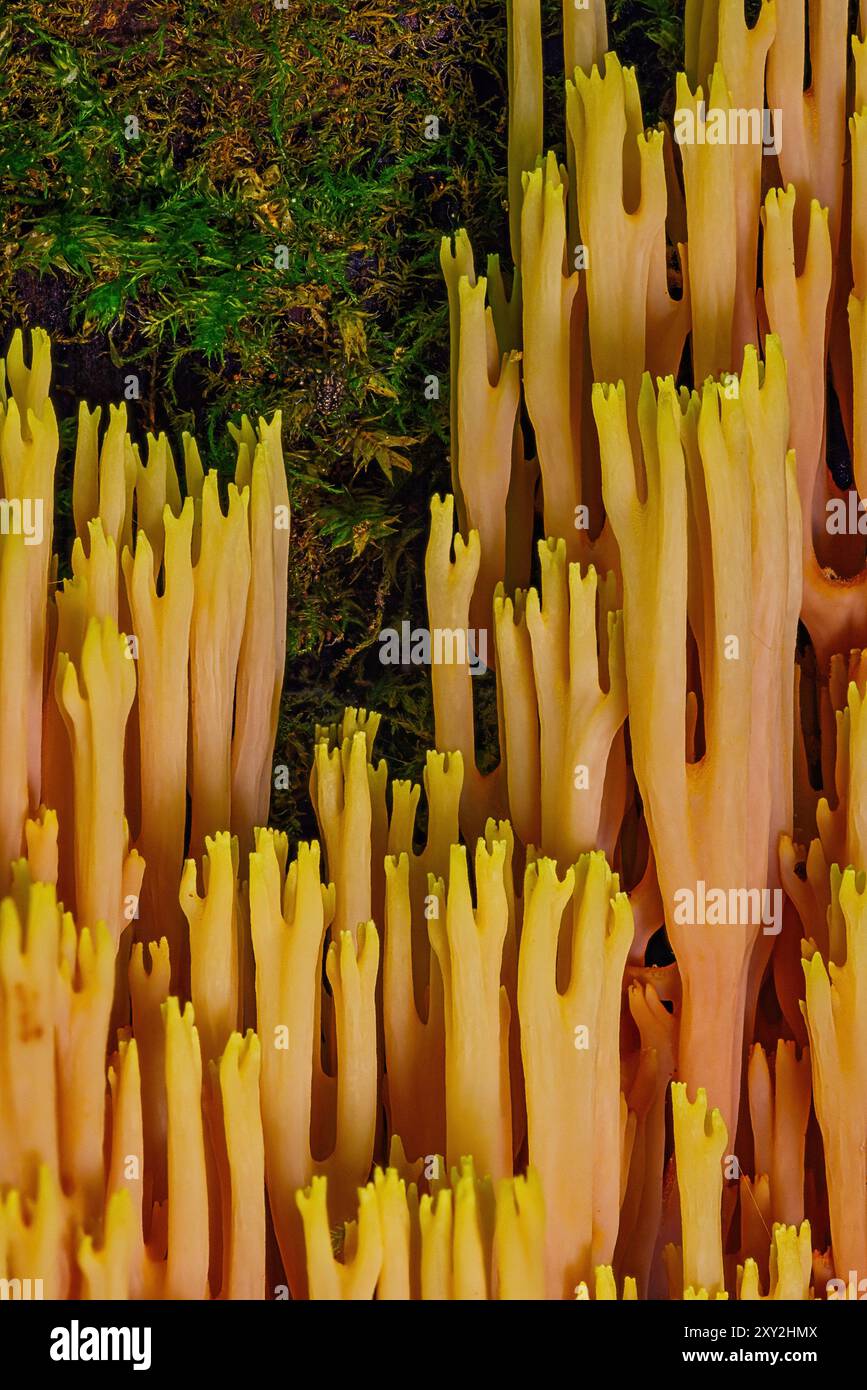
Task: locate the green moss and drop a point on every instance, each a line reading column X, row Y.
column 261, row 128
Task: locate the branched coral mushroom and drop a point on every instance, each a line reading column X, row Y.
column 604, row 1033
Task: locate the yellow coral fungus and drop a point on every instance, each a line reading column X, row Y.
column 589, row 1022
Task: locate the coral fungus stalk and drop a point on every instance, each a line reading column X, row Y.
column 743, row 581
column 569, row 1041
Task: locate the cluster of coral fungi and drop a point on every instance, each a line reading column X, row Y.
column 465, row 1064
